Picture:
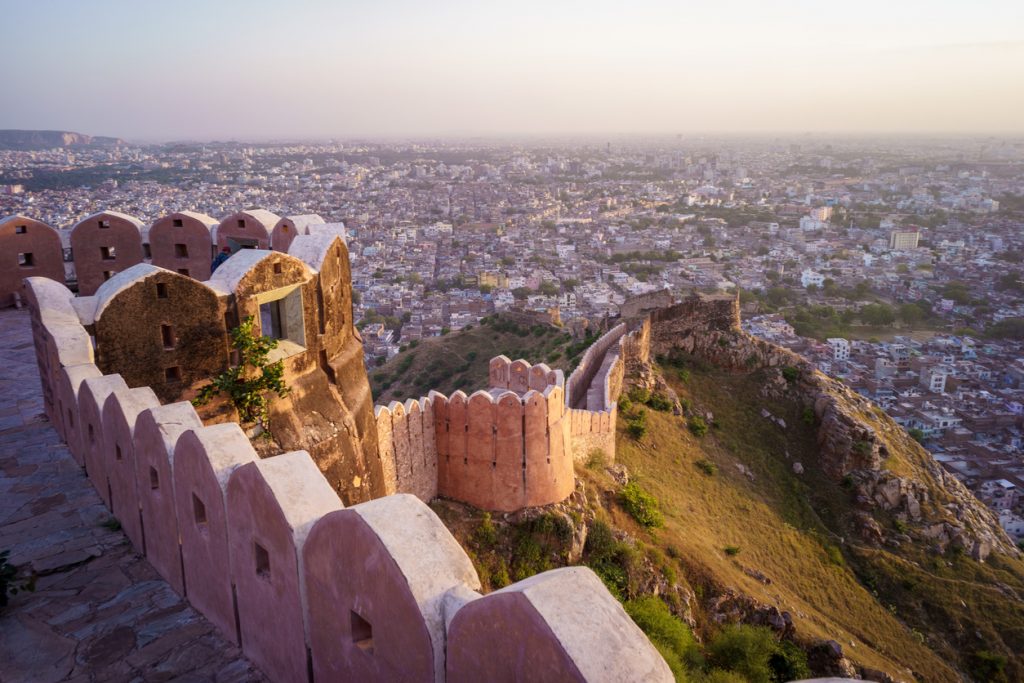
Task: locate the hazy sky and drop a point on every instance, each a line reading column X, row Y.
column 143, row 69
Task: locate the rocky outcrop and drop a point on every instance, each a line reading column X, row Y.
column 860, row 446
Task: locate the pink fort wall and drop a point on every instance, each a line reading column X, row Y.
column 203, row 461
column 68, row 384
column 120, row 411
column 157, row 431
column 92, row 396
column 272, row 503
column 376, row 592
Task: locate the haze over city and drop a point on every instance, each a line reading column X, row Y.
column 263, row 70
column 595, row 342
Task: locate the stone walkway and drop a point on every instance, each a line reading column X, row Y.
column 99, row 611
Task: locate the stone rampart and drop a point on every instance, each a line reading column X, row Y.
column 109, row 242
column 582, row 377
column 315, row 591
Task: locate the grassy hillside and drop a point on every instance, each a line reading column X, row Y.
column 459, row 360
column 741, row 532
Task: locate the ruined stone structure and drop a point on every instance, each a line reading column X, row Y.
column 103, row 245
column 267, row 551
column 28, row 248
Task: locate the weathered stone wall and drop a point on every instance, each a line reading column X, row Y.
column 246, row 227
column 183, row 242
column 161, row 329
column 641, row 305
column 28, row 248
column 104, row 243
column 590, row 364
column 698, row 314
column 503, row 451
column 381, row 591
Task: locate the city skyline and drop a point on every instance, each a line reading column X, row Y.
column 254, row 71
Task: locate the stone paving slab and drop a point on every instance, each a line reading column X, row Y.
column 99, row 611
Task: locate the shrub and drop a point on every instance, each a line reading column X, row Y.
column 596, row 459
column 808, row 416
column 636, row 429
column 835, row 556
column 862, row 448
column 624, row 403
column 639, row 395
column 248, row 384
column 788, row 663
column 722, row 676
column 790, row 373
column 641, row 505
column 987, row 666
column 697, row 425
column 744, row 650
column 707, row 467
column 916, row 434
column 486, row 535
column 8, row 583
column 732, row 550
column 601, row 544
column 667, row 632
column 684, row 375
column 500, row 577
column 659, row 402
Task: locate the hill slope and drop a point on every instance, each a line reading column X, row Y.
column 460, row 360
column 861, row 552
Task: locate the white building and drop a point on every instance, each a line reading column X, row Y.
column 840, row 348
column 934, row 379
column 810, row 277
column 811, row 224
column 1012, row 524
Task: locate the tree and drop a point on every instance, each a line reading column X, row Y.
column 911, row 314
column 548, row 288
column 521, row 292
column 249, row 383
column 877, row 314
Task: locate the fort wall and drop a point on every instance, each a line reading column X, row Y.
column 312, row 590
column 107, row 243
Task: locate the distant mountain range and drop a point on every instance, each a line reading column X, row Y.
column 48, row 139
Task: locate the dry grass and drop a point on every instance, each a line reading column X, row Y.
column 769, row 518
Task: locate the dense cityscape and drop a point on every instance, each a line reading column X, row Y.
column 894, row 265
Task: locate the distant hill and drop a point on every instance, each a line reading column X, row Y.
column 48, row 139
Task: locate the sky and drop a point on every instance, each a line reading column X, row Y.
column 305, row 69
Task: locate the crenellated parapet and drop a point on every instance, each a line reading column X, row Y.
column 520, row 376
column 164, row 329
column 314, row 590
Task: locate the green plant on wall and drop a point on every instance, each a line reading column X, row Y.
column 9, row 584
column 249, row 384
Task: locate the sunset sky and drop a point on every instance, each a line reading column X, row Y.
column 306, row 69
